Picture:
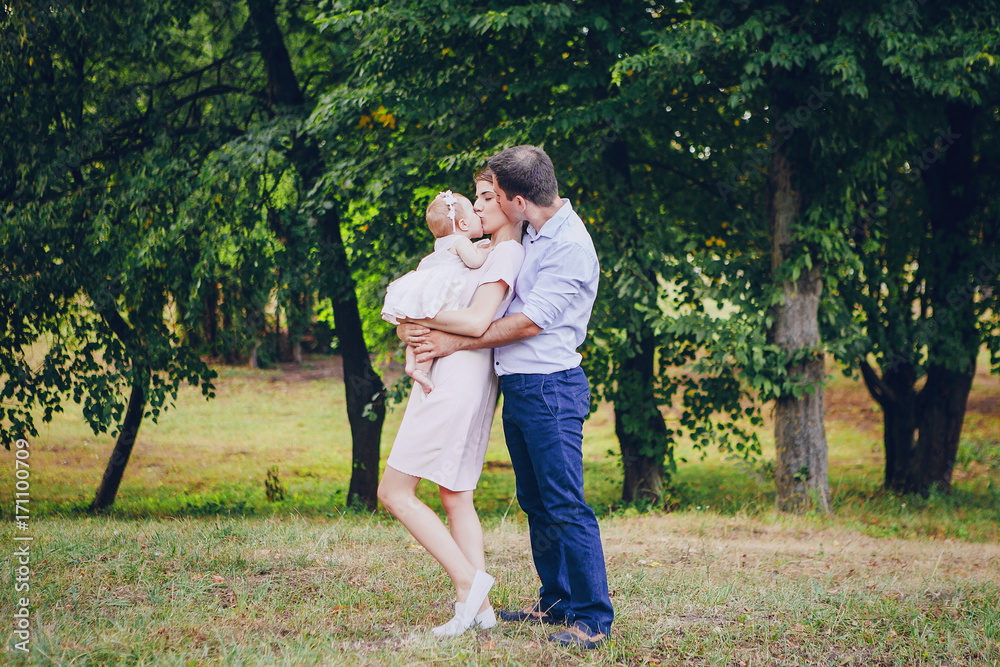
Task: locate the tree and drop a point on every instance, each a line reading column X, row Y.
column 926, row 298
column 365, row 391
column 194, row 174
column 444, row 87
column 758, row 68
column 94, row 203
column 880, row 68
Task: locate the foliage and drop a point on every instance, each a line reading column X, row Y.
column 440, row 88
column 923, row 284
column 153, row 193
column 865, row 85
column 274, row 490
column 96, row 236
column 150, row 184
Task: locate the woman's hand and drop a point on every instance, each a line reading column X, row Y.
column 411, row 333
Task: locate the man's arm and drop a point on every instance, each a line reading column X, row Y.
column 430, row 344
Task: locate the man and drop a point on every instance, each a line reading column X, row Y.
column 546, row 394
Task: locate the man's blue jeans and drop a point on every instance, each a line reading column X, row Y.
column 543, row 424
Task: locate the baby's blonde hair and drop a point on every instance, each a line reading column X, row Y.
column 437, row 215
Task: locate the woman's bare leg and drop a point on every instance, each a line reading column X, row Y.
column 466, row 529
column 397, row 491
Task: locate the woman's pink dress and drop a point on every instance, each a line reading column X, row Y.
column 444, row 434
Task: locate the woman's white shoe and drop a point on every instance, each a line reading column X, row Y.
column 464, row 619
column 485, row 619
column 454, row 626
column 478, row 594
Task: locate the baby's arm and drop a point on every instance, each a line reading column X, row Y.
column 472, row 255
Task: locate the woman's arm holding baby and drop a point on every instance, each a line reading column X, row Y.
column 474, row 320
column 430, row 344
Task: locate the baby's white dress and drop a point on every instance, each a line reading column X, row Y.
column 444, row 434
column 435, row 285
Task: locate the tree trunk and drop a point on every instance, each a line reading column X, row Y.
column 115, row 469
column 365, row 391
column 920, row 464
column 277, row 351
column 639, row 426
column 941, row 412
column 297, row 322
column 256, row 322
column 230, row 311
column 951, row 334
column 211, row 316
column 799, row 435
column 895, row 394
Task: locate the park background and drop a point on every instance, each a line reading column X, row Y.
column 793, row 447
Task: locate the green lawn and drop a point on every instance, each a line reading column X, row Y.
column 194, row 566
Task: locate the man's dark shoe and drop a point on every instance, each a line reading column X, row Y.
column 578, row 635
column 531, row 615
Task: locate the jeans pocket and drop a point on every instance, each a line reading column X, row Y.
column 577, row 395
column 583, row 399
column 550, row 396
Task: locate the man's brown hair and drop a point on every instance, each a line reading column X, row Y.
column 526, row 171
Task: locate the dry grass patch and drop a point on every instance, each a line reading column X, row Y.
column 689, row 588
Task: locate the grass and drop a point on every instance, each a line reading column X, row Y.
column 691, row 588
column 193, row 566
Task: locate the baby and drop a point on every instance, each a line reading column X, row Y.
column 440, row 278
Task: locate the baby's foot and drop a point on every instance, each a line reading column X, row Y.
column 421, row 378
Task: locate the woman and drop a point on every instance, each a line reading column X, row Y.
column 444, row 434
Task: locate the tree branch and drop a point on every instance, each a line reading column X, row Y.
column 879, row 390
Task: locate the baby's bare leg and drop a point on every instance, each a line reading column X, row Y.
column 411, row 360
column 421, row 374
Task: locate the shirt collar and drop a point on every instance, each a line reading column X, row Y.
column 552, row 225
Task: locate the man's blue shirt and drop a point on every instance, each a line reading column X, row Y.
column 555, row 289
